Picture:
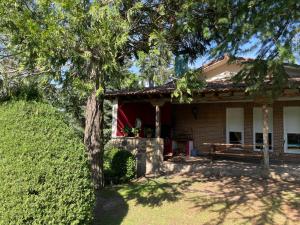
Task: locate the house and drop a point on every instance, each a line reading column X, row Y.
column 221, row 116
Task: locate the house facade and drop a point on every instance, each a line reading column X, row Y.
column 221, row 114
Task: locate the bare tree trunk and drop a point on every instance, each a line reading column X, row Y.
column 93, row 134
column 266, row 137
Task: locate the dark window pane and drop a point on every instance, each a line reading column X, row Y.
column 235, row 137
column 259, row 140
column 293, row 141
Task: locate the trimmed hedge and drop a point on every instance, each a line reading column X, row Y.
column 44, row 172
column 119, row 165
column 123, row 165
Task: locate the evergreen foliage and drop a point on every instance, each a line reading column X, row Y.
column 83, row 45
column 119, row 165
column 44, row 171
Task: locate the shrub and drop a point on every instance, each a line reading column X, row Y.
column 44, row 173
column 123, row 165
column 119, row 165
column 109, row 153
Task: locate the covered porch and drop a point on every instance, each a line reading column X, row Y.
column 229, row 127
column 222, row 119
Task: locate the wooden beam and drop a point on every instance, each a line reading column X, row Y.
column 157, row 102
column 291, row 92
column 239, row 93
column 225, row 94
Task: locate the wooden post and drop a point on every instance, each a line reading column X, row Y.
column 114, row 122
column 266, row 136
column 157, row 121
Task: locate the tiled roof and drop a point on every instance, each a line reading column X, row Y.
column 212, row 86
column 163, row 89
column 218, row 84
column 170, row 87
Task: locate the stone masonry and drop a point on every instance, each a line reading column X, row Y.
column 148, row 151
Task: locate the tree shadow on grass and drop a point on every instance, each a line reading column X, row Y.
column 227, row 195
column 151, row 192
column 250, row 200
column 112, row 202
column 110, row 209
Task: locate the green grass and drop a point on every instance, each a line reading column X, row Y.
column 194, row 200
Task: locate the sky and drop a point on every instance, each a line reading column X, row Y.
column 205, row 59
column 198, row 62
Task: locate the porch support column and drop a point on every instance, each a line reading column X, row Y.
column 157, row 121
column 114, row 124
column 266, row 135
column 157, row 103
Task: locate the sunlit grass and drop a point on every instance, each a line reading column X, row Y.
column 193, row 200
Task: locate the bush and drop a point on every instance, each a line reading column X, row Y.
column 44, row 172
column 109, row 153
column 119, row 165
column 123, row 165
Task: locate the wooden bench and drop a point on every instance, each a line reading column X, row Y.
column 233, row 150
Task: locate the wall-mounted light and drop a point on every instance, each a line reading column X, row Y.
column 195, row 112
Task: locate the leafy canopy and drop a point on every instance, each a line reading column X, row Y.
column 65, row 39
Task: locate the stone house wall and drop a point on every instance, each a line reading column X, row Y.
column 148, row 151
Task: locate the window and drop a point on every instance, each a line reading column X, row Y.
column 258, row 122
column 259, row 141
column 235, row 125
column 293, row 141
column 291, row 121
column 235, row 137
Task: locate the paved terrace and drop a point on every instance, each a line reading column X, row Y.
column 202, row 166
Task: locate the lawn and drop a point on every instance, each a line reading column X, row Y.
column 198, row 200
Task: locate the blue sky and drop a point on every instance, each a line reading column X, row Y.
column 198, row 62
column 247, row 48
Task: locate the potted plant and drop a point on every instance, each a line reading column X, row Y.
column 126, row 130
column 136, row 131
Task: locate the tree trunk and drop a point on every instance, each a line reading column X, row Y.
column 266, row 137
column 93, row 133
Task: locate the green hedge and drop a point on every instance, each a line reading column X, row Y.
column 44, row 173
column 119, row 165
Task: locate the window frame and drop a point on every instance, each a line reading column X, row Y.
column 255, row 143
column 228, row 129
column 286, row 131
column 255, row 130
column 235, row 132
column 295, row 148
